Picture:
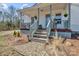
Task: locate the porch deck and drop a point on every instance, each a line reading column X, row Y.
column 66, row 33
column 61, row 30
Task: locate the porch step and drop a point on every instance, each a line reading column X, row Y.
column 39, row 30
column 40, row 35
column 35, row 38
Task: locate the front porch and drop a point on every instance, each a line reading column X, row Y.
column 46, row 17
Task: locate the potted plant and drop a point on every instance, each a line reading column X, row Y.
column 65, row 15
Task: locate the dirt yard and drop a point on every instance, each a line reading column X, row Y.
column 11, row 46
column 74, row 49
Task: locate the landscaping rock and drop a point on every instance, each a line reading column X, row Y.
column 68, row 44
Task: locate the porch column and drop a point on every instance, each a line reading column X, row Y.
column 51, row 15
column 21, row 14
column 20, row 19
column 38, row 16
column 50, row 12
column 52, row 22
column 69, row 10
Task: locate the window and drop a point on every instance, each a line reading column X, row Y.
column 0, row 12
column 58, row 18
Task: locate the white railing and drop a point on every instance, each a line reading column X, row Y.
column 66, row 24
column 48, row 29
column 33, row 28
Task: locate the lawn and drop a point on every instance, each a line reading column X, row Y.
column 6, row 50
column 2, row 41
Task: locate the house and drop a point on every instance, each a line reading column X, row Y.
column 46, row 20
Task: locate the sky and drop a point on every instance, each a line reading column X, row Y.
column 18, row 5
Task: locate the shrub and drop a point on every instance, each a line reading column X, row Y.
column 18, row 34
column 14, row 33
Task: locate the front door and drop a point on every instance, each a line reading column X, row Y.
column 32, row 20
column 47, row 19
column 57, row 20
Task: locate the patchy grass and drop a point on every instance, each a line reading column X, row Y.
column 0, row 33
column 8, row 51
column 2, row 41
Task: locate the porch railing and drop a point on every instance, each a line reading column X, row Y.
column 48, row 29
column 66, row 24
column 33, row 28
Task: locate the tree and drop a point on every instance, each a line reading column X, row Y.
column 12, row 12
column 12, row 18
column 2, row 11
column 8, row 24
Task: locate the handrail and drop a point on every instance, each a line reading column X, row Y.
column 33, row 28
column 48, row 29
column 48, row 23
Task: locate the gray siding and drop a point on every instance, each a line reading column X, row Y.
column 75, row 17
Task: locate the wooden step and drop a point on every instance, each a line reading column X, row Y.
column 39, row 38
column 40, row 32
column 40, row 35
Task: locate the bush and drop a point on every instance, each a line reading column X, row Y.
column 18, row 34
column 14, row 33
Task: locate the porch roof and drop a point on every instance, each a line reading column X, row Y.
column 44, row 8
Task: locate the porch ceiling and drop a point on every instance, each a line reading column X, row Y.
column 44, row 8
